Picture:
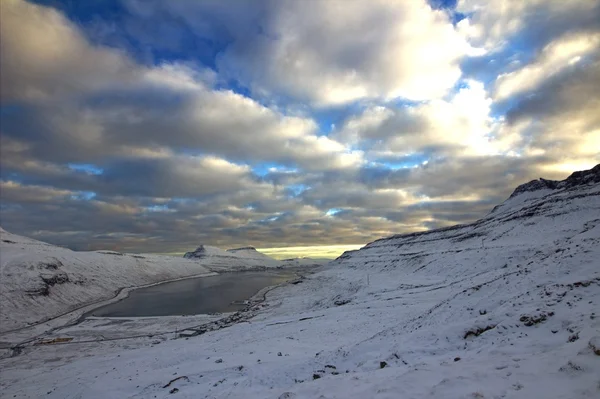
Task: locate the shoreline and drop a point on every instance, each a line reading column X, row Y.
column 29, row 334
column 73, row 316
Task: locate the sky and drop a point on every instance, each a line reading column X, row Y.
column 298, row 127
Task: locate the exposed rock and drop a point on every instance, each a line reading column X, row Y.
column 40, row 290
column 248, row 248
column 478, row 331
column 203, row 251
column 530, row 320
column 594, row 344
column 340, row 302
column 574, row 337
column 55, row 278
column 50, row 264
column 575, row 179
column 535, row 185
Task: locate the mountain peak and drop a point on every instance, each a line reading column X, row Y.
column 203, row 251
column 575, row 179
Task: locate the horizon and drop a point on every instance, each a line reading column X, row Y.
column 300, row 128
column 313, row 252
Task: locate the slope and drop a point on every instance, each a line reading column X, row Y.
column 506, row 307
column 40, row 281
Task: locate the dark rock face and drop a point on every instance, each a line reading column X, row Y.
column 56, row 278
column 53, row 264
column 535, row 185
column 50, row 275
column 41, row 290
column 199, row 252
column 242, row 249
column 576, row 179
column 583, row 177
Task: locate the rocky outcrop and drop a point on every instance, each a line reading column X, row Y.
column 242, row 249
column 50, row 275
column 204, row 251
column 579, row 178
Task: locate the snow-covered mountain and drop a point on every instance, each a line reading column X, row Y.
column 40, row 281
column 505, row 307
column 252, row 253
column 245, row 258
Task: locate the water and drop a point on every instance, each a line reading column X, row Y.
column 214, row 294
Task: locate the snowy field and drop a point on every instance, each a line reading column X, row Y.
column 506, row 307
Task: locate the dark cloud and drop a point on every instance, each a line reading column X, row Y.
column 575, row 90
column 529, row 25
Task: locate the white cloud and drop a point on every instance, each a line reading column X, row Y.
column 460, row 125
column 333, row 52
column 554, row 58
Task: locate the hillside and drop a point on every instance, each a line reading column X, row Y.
column 40, row 281
column 505, row 307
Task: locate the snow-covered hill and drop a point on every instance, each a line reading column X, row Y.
column 252, row 253
column 40, row 281
column 246, row 258
column 506, row 307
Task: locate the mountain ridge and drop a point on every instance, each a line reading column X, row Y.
column 535, row 188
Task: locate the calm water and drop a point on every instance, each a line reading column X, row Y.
column 222, row 293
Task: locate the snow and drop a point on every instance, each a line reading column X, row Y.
column 246, row 258
column 250, row 252
column 41, row 281
column 506, row 307
column 232, row 259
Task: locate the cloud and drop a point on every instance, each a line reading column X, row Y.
column 44, row 56
column 315, row 252
column 103, row 103
column 14, row 192
column 560, row 120
column 460, row 124
column 330, row 52
column 495, row 24
column 286, row 123
column 554, row 58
